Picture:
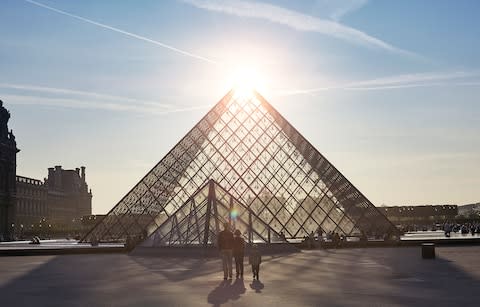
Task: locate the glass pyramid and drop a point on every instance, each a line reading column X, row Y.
column 255, row 154
column 200, row 219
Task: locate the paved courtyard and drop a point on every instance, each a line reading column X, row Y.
column 343, row 277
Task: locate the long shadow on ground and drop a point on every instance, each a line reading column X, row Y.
column 227, row 290
column 385, row 277
column 176, row 269
column 344, row 277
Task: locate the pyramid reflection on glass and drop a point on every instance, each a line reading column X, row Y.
column 259, row 158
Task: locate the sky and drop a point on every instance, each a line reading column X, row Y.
column 387, row 90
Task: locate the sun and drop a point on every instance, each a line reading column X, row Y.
column 245, row 81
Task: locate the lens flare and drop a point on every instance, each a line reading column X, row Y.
column 234, row 214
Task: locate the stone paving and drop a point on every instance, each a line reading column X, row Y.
column 342, row 277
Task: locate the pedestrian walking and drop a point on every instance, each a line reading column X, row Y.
column 225, row 245
column 238, row 252
column 255, row 259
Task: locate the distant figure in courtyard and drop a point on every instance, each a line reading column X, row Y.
column 363, row 237
column 129, row 243
column 225, row 245
column 448, row 229
column 336, row 239
column 94, row 241
column 311, row 238
column 255, row 259
column 320, row 234
column 238, row 252
column 330, row 236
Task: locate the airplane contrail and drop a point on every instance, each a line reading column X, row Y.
column 429, row 79
column 143, row 38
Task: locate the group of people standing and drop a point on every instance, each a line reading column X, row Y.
column 233, row 245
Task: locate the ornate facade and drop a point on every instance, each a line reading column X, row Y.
column 58, row 202
column 68, row 195
column 31, row 203
column 28, row 204
column 8, row 167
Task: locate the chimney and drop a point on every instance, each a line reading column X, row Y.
column 77, row 170
column 58, row 177
column 83, row 173
column 50, row 179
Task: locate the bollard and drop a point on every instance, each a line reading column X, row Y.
column 428, row 250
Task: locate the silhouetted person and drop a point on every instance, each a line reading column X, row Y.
column 363, row 237
column 94, row 241
column 129, row 243
column 238, row 252
column 336, row 239
column 255, row 259
column 311, row 240
column 330, row 236
column 225, row 244
column 320, row 234
column 447, row 228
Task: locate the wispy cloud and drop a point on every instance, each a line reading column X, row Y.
column 130, row 34
column 415, row 78
column 76, row 99
column 53, row 90
column 337, row 9
column 74, row 103
column 295, row 20
column 458, row 78
column 71, row 103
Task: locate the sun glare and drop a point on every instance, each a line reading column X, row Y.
column 245, row 81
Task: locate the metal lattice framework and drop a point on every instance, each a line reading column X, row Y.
column 200, row 219
column 256, row 155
